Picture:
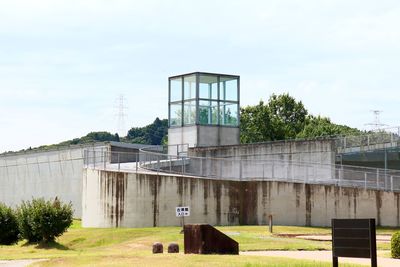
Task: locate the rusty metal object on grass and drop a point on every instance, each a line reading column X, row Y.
column 173, row 248
column 157, row 248
column 205, row 239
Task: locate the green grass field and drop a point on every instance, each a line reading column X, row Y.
column 132, row 246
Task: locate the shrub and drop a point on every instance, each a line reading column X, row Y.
column 42, row 221
column 9, row 233
column 395, row 245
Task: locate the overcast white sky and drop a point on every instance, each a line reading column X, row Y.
column 63, row 63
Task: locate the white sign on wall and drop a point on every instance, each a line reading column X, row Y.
column 182, row 211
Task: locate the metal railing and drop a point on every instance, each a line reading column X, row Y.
column 244, row 170
column 369, row 141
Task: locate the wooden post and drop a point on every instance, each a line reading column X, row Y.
column 270, row 223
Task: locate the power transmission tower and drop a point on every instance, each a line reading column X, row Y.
column 376, row 123
column 120, row 114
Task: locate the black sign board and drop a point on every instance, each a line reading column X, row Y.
column 355, row 238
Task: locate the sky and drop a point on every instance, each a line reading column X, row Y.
column 63, row 64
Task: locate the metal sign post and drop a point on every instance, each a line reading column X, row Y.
column 182, row 212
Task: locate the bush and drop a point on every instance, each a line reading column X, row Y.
column 9, row 233
column 395, row 245
column 43, row 221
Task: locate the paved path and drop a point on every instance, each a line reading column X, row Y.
column 322, row 256
column 18, row 263
column 379, row 238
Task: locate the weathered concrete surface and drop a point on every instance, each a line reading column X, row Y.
column 286, row 160
column 316, row 151
column 47, row 174
column 112, row 199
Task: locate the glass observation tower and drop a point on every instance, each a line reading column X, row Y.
column 203, row 109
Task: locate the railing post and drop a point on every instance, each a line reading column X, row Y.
column 240, row 170
column 136, row 159
column 365, row 180
column 104, row 159
column 272, row 170
column 391, row 183
column 377, row 178
column 119, row 165
column 263, row 177
column 85, row 161
column 94, row 159
column 183, row 163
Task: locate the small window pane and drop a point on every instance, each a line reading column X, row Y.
column 228, row 89
column 175, row 115
column 189, row 87
column 189, row 112
column 208, row 112
column 208, row 87
column 176, row 89
column 229, row 114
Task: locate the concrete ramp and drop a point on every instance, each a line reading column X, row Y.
column 205, row 239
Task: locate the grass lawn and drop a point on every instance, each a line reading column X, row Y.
column 132, row 246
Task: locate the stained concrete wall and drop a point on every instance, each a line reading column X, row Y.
column 113, row 199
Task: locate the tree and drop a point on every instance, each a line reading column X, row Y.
column 322, row 126
column 152, row 134
column 285, row 118
column 255, row 122
column 288, row 116
column 281, row 118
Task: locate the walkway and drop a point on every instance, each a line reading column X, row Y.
column 18, row 263
column 322, row 256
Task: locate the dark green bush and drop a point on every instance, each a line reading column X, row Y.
column 395, row 245
column 42, row 221
column 9, row 233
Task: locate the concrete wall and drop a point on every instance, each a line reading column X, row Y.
column 46, row 174
column 56, row 172
column 273, row 160
column 315, row 151
column 143, row 200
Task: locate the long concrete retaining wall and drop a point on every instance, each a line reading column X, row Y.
column 316, row 151
column 117, row 199
column 47, row 174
